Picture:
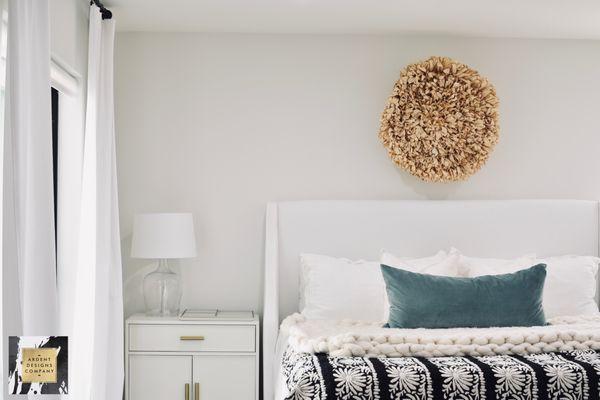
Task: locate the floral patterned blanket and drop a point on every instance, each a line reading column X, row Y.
column 568, row 375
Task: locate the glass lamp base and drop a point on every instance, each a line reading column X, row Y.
column 162, row 291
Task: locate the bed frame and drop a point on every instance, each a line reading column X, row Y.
column 360, row 229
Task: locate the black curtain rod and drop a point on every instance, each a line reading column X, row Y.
column 106, row 14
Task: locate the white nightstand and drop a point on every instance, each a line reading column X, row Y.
column 209, row 359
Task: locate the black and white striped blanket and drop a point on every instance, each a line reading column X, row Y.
column 568, row 375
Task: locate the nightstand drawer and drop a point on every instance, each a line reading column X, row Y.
column 192, row 338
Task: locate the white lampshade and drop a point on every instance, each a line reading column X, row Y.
column 164, row 235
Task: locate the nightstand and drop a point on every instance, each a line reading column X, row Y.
column 209, row 359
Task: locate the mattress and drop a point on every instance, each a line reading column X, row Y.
column 566, row 375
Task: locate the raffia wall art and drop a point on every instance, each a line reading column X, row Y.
column 441, row 121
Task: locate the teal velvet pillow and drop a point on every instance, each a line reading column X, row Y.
column 429, row 301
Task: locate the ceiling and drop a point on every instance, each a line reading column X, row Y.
column 489, row 18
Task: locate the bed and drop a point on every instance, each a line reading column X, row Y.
column 358, row 230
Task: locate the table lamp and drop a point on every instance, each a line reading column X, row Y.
column 163, row 236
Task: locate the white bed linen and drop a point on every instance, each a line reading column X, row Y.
column 344, row 338
column 335, row 288
column 441, row 264
column 467, row 264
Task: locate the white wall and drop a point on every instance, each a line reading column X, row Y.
column 68, row 33
column 221, row 124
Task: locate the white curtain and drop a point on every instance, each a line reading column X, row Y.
column 28, row 257
column 28, row 203
column 29, row 298
column 97, row 356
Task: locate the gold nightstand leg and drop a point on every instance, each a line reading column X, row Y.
column 196, row 391
column 187, row 391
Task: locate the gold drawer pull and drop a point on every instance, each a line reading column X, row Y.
column 191, row 337
column 187, row 391
column 196, row 391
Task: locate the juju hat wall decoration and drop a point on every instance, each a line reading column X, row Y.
column 441, row 121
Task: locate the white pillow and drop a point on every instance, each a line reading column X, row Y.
column 492, row 266
column 338, row 288
column 441, row 264
column 570, row 287
column 571, row 284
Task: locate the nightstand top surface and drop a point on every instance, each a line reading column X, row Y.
column 234, row 317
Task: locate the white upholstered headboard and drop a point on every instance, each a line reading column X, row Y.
column 360, row 229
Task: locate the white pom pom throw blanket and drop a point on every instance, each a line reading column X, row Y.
column 345, row 338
